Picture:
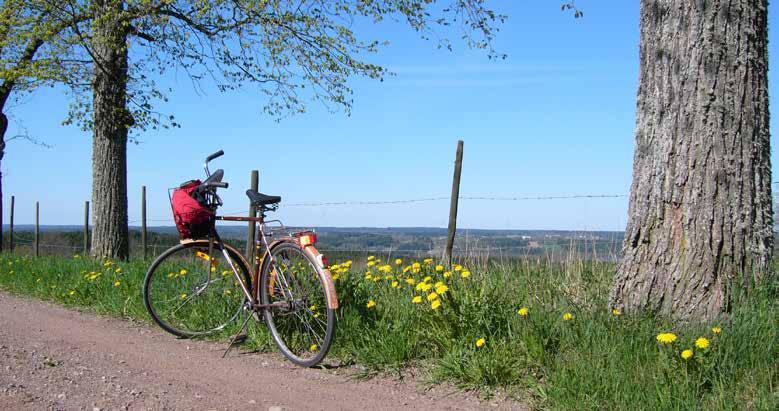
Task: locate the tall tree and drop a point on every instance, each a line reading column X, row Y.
column 33, row 37
column 293, row 51
column 700, row 224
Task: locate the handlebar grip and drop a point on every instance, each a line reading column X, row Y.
column 220, row 184
column 215, row 155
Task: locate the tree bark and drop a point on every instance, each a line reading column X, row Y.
column 111, row 123
column 700, row 224
column 3, row 129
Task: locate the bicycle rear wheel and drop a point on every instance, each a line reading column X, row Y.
column 190, row 293
column 304, row 328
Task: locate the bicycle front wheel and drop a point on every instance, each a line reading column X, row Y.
column 190, row 293
column 300, row 321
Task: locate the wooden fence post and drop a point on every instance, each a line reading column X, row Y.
column 250, row 247
column 37, row 232
column 143, row 221
column 11, row 228
column 86, row 228
column 458, row 165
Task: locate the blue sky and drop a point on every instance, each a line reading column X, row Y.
column 555, row 118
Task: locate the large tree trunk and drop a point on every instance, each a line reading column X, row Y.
column 700, row 225
column 111, row 122
column 3, row 129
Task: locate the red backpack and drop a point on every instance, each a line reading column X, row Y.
column 192, row 219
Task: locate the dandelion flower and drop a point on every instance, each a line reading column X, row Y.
column 523, row 311
column 313, row 308
column 439, row 268
column 666, row 338
column 435, row 304
column 447, row 274
column 441, row 289
column 616, row 312
column 370, row 304
column 432, row 296
column 118, row 269
column 567, row 317
column 398, row 261
column 71, row 292
column 313, row 347
column 428, row 278
column 411, row 281
column 183, row 272
column 687, row 354
column 117, row 284
column 480, row 342
column 417, row 299
column 183, row 296
column 465, row 274
column 716, row 330
column 416, row 266
column 702, row 343
column 370, row 258
column 227, row 292
column 427, row 260
column 458, row 267
column 371, row 263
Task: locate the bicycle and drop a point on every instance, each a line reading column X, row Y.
column 191, row 291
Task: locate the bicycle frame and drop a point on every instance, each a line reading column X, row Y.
column 263, row 245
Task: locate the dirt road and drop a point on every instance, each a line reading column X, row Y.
column 55, row 358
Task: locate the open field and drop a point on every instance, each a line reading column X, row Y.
column 531, row 329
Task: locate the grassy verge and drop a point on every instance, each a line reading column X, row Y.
column 533, row 328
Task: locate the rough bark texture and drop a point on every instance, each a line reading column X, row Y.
column 111, row 122
column 700, row 219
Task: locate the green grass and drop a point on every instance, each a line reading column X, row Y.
column 597, row 360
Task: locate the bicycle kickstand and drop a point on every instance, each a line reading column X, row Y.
column 235, row 338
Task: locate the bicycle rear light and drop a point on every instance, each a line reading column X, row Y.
column 307, row 239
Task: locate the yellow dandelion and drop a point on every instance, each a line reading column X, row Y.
column 616, row 312
column 183, row 272
column 666, row 338
column 370, row 258
column 523, row 311
column 435, row 304
column 716, row 330
column 313, row 347
column 439, row 268
column 465, row 274
column 371, row 263
column 406, row 268
column 687, row 354
column 428, row 278
column 411, row 281
column 313, row 308
column 432, row 296
column 227, row 292
column 480, row 342
column 170, row 275
column 441, row 289
column 567, row 317
column 368, row 275
column 183, row 296
column 702, row 343
column 118, row 270
column 458, row 267
column 117, row 283
column 395, row 284
column 71, row 292
column 398, row 261
column 416, row 266
column 370, row 304
column 427, row 260
column 417, row 299
column 336, row 277
column 447, row 274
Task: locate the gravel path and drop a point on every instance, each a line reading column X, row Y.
column 56, row 358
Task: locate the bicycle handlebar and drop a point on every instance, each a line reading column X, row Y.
column 215, row 155
column 218, row 184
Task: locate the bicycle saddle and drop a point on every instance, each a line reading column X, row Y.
column 262, row 199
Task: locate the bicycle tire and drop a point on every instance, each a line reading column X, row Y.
column 207, row 296
column 291, row 328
